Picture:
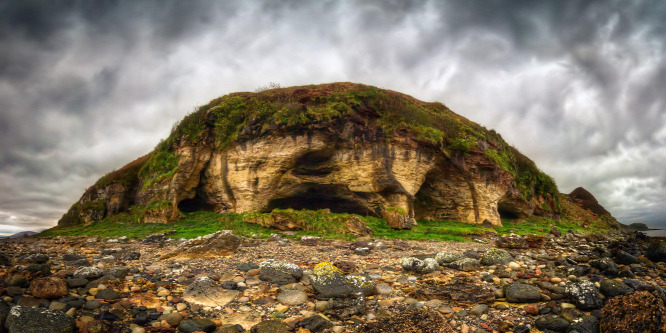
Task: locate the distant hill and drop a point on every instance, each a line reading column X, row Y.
column 21, row 234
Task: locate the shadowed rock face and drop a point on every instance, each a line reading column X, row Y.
column 352, row 163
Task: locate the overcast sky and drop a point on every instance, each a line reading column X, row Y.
column 88, row 86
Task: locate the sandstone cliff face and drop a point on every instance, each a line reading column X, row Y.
column 347, row 164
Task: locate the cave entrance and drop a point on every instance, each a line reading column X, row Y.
column 319, row 199
column 507, row 210
column 505, row 214
column 196, row 204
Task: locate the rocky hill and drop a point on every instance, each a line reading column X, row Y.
column 346, row 147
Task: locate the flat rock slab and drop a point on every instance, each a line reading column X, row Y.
column 461, row 293
column 206, row 292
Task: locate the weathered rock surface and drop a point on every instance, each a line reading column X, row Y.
column 345, row 159
column 49, row 287
column 205, row 291
column 279, row 272
column 25, row 319
column 522, row 293
column 585, row 295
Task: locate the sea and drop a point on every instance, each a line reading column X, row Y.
column 655, row 233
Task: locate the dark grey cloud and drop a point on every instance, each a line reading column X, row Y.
column 86, row 87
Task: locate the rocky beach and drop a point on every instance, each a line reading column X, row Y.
column 561, row 282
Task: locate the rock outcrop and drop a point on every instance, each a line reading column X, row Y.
column 345, row 147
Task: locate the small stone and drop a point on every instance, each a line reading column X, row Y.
column 479, row 309
column 194, row 325
column 292, row 297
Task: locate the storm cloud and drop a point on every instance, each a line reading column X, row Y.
column 578, row 86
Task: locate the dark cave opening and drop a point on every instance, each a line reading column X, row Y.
column 506, row 214
column 195, row 204
column 315, row 200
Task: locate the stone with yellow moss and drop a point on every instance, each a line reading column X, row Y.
column 329, row 281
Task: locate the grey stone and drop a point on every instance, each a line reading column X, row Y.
column 23, row 319
column 522, row 293
column 495, row 257
column 584, row 295
column 279, row 272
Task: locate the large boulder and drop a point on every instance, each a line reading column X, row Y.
column 23, row 319
column 329, row 281
column 656, row 251
column 447, row 257
column 49, row 287
column 279, row 272
column 584, row 295
column 411, row 264
column 495, row 257
column 220, row 243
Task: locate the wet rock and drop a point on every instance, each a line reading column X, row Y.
column 279, row 272
column 38, row 258
column 130, row 255
column 68, row 257
column 246, row 266
column 23, row 319
column 315, row 323
column 522, row 293
column 90, row 273
column 495, row 257
column 5, row 260
column 606, row 266
column 511, row 242
column 612, row 288
column 585, row 324
column 96, row 326
column 552, row 322
column 48, row 287
column 584, row 295
column 447, row 257
column 196, row 325
column 656, row 251
column 18, row 281
column 220, row 243
column 625, row 258
column 107, row 294
column 579, row 270
column 425, row 266
column 40, row 269
column 77, row 282
column 479, row 309
column 206, row 292
column 271, row 326
column 415, row 320
column 640, row 311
